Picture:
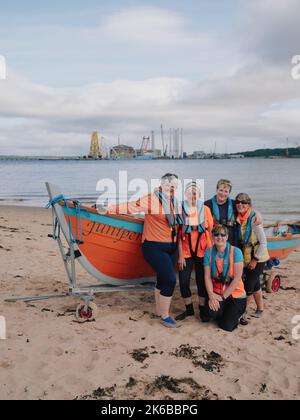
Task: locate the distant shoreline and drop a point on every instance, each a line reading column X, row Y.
column 72, row 159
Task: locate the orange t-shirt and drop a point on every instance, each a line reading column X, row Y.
column 156, row 226
column 205, row 241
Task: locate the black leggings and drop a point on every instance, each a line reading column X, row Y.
column 252, row 279
column 162, row 257
column 229, row 314
column 185, row 277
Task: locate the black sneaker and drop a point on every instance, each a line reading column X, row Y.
column 182, row 316
column 243, row 320
column 203, row 314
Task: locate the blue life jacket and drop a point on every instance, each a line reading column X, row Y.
column 230, row 212
column 186, row 226
column 246, row 241
column 227, row 275
column 172, row 214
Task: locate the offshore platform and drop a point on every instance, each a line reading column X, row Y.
column 95, row 147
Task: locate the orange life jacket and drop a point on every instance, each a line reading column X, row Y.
column 221, row 283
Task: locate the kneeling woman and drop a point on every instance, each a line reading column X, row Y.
column 223, row 265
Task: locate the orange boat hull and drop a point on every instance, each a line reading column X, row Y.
column 282, row 247
column 113, row 251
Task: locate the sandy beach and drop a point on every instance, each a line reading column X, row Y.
column 126, row 353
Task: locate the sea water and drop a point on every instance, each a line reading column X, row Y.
column 273, row 184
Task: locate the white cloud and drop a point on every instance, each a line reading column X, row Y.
column 151, row 25
column 245, row 110
column 22, row 98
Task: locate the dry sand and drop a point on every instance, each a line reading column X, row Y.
column 125, row 353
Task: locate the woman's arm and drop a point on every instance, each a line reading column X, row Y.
column 209, row 225
column 214, row 300
column 209, row 219
column 262, row 239
column 181, row 259
column 142, row 205
column 208, row 281
column 258, row 220
column 238, row 273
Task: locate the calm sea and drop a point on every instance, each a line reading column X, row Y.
column 274, row 185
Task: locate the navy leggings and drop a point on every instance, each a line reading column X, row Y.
column 185, row 277
column 229, row 314
column 162, row 256
column 252, row 279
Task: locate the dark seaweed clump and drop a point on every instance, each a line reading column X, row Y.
column 187, row 386
column 209, row 361
column 140, row 354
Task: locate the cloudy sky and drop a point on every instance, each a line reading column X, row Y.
column 221, row 70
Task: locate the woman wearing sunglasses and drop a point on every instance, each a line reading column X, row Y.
column 253, row 243
column 223, row 209
column 223, row 266
column 195, row 238
column 160, row 239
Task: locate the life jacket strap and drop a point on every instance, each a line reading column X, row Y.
column 194, row 253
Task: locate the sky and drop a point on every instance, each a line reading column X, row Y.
column 221, row 70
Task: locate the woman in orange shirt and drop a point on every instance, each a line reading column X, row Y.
column 160, row 240
column 195, row 238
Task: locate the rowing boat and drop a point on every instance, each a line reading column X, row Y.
column 283, row 238
column 110, row 245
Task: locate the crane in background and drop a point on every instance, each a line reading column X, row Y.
column 165, row 149
column 145, row 144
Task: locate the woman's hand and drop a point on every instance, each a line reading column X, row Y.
column 181, row 263
column 252, row 265
column 214, row 302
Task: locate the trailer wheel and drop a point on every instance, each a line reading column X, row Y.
column 273, row 284
column 86, row 314
column 276, row 283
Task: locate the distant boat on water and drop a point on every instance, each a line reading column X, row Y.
column 144, row 157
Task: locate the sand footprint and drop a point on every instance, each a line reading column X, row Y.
column 6, row 364
column 90, row 364
column 54, row 351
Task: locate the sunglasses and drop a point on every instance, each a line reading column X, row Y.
column 244, row 202
column 220, row 235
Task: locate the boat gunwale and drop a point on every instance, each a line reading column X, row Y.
column 133, row 219
column 125, row 217
column 289, row 237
